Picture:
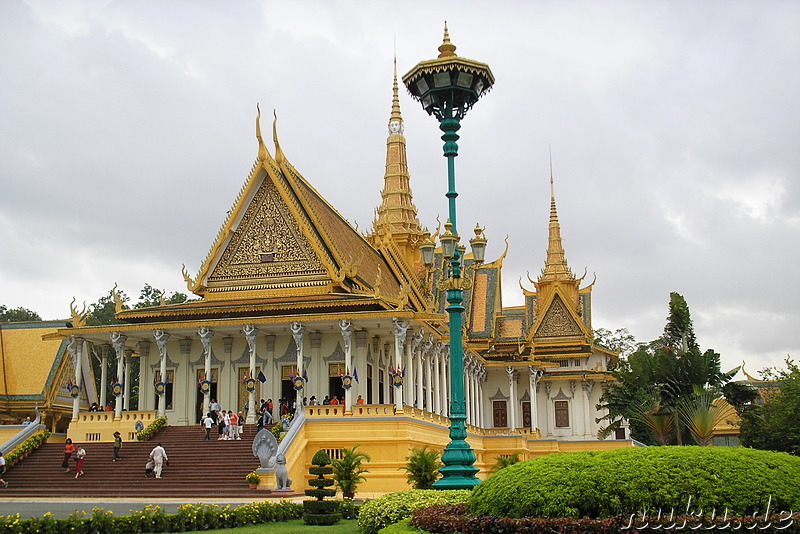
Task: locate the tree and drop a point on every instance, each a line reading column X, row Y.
column 620, row 340
column 348, row 471
column 150, row 296
column 423, row 468
column 774, row 425
column 666, row 388
column 17, row 314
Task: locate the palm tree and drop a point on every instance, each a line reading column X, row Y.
column 348, row 471
column 501, row 462
column 423, row 468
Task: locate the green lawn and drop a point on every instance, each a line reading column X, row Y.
column 295, row 526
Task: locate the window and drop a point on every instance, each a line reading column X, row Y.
column 562, row 414
column 526, row 414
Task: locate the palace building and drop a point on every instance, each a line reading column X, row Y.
column 293, row 293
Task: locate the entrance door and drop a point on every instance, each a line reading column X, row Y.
column 499, row 414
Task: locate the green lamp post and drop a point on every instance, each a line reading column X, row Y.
column 447, row 87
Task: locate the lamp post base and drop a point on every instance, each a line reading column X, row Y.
column 458, row 459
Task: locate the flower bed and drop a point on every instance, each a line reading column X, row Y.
column 26, row 447
column 151, row 429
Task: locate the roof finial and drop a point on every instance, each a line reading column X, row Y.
column 555, row 265
column 395, row 116
column 279, row 157
column 447, row 49
column 262, row 149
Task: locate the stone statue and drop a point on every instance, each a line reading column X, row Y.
column 265, row 446
column 282, row 480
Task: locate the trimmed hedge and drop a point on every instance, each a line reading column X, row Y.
column 624, row 481
column 391, row 508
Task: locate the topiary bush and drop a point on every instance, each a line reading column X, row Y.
column 321, row 512
column 393, row 507
column 624, row 481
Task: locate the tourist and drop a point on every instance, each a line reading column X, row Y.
column 233, row 428
column 27, row 421
column 266, row 418
column 241, row 425
column 207, row 424
column 94, row 407
column 334, row 401
column 69, row 448
column 314, row 401
column 227, row 418
column 117, row 446
column 159, row 456
column 270, row 406
column 221, row 426
column 214, row 407
column 2, row 470
column 360, row 400
column 80, row 455
column 326, row 401
column 109, row 408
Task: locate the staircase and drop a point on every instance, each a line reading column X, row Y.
column 198, row 468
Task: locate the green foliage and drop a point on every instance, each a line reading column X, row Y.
column 401, row 527
column 661, row 379
column 348, row 472
column 775, row 425
column 17, row 314
column 321, row 458
column 320, row 512
column 26, row 447
column 422, row 468
column 252, row 478
column 393, row 507
column 151, row 429
column 620, row 340
column 502, row 462
column 150, row 296
column 622, row 481
column 152, row 518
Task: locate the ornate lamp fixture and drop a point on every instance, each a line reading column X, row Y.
column 447, row 87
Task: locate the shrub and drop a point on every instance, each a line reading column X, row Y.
column 423, row 468
column 391, row 508
column 348, row 472
column 151, row 429
column 321, row 512
column 622, row 481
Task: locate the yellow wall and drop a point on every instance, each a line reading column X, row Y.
column 388, row 439
column 26, row 358
column 99, row 427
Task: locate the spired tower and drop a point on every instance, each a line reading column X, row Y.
column 396, row 218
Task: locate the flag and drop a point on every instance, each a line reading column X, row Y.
column 305, row 376
column 355, row 374
column 261, row 377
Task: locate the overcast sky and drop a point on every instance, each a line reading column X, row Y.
column 127, row 130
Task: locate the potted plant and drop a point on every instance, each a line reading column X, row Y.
column 253, row 479
column 348, row 471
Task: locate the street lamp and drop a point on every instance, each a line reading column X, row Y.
column 447, row 87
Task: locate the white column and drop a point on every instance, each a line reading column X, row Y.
column 104, row 348
column 206, row 335
column 119, row 347
column 548, row 409
column 512, row 388
column 360, row 362
column 126, row 396
column 430, row 356
column 468, row 390
column 161, row 340
column 347, row 334
column 587, row 392
column 251, row 334
column 437, row 377
column 419, row 374
column 534, row 376
column 144, row 352
column 75, row 347
column 573, row 385
column 400, row 329
column 298, row 332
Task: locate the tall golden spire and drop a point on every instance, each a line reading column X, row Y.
column 447, row 49
column 555, row 266
column 397, row 215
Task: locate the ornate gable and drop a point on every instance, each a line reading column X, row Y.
column 267, row 247
column 558, row 321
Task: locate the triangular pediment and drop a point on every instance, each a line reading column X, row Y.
column 558, row 321
column 268, row 246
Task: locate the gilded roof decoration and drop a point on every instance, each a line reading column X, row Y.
column 558, row 321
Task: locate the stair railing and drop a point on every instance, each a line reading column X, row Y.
column 26, row 432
